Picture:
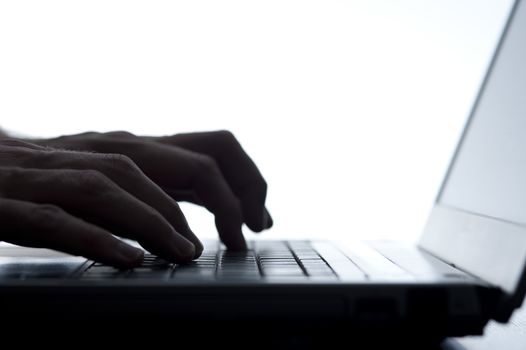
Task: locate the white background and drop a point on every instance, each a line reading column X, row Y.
column 350, row 108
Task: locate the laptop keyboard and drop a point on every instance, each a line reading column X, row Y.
column 286, row 260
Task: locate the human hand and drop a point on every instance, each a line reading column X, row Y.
column 75, row 201
column 210, row 169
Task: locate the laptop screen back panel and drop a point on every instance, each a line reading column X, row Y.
column 479, row 220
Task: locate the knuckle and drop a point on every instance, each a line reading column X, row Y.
column 47, row 216
column 92, row 182
column 259, row 189
column 226, row 137
column 227, row 146
column 87, row 133
column 11, row 174
column 35, row 158
column 120, row 134
column 92, row 177
column 10, row 179
column 206, row 164
column 262, row 185
column 120, row 163
column 256, row 189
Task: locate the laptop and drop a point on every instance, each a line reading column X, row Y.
column 468, row 267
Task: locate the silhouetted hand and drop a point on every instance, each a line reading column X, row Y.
column 210, row 169
column 76, row 201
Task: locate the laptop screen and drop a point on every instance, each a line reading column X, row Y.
column 488, row 176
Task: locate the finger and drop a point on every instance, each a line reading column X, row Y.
column 174, row 167
column 240, row 172
column 47, row 226
column 213, row 191
column 92, row 196
column 201, row 176
column 120, row 169
column 127, row 175
column 183, row 196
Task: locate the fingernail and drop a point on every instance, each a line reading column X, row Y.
column 129, row 252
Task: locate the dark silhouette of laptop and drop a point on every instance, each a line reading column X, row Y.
column 467, row 268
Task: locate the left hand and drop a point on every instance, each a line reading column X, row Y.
column 210, row 169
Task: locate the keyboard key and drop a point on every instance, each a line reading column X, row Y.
column 266, row 260
column 278, row 264
column 149, row 274
column 98, row 275
column 282, row 270
column 197, row 273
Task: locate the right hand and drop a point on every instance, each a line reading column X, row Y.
column 71, row 201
